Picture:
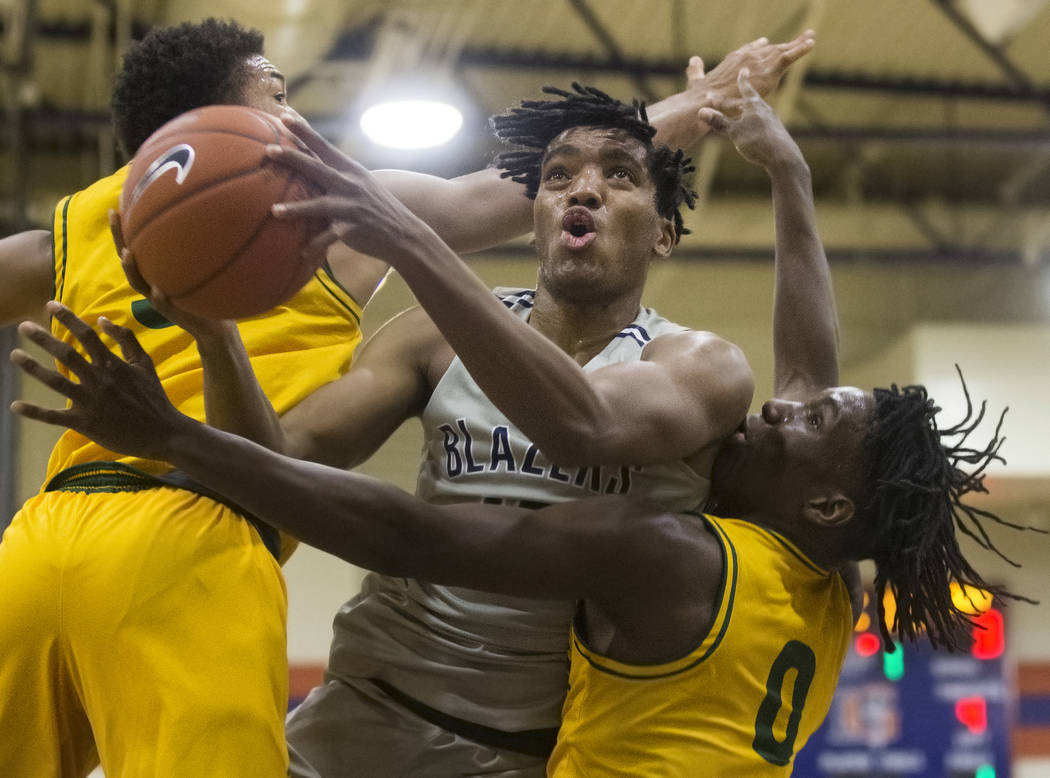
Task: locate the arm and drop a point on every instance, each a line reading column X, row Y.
column 805, row 320
column 121, row 404
column 27, row 274
column 460, row 209
column 688, row 391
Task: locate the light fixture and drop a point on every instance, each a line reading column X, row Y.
column 411, row 124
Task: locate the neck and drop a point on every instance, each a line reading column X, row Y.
column 819, row 545
column 582, row 328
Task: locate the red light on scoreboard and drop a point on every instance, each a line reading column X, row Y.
column 972, row 712
column 989, row 639
column 867, row 644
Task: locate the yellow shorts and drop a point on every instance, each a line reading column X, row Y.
column 149, row 624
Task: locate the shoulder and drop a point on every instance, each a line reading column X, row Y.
column 410, row 337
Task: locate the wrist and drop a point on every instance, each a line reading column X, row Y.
column 789, row 164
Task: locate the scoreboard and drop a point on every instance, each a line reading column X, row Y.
column 916, row 711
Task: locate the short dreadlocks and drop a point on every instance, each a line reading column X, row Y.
column 914, row 504
column 176, row 69
column 535, row 123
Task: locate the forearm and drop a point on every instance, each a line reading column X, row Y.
column 460, row 210
column 359, row 519
column 503, row 353
column 805, row 321
column 233, row 399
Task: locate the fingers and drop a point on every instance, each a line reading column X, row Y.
column 131, row 270
column 715, row 119
column 116, row 229
column 315, row 142
column 317, row 249
column 318, row 207
column 743, row 83
column 63, row 352
column 52, row 379
column 89, row 339
column 35, row 412
column 316, row 170
column 694, row 71
column 794, row 50
column 129, row 345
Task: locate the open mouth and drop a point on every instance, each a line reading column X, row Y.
column 578, row 227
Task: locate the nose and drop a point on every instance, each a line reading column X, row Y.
column 779, row 411
column 586, row 188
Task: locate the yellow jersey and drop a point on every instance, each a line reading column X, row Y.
column 294, row 348
column 743, row 701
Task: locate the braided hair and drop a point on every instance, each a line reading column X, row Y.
column 915, row 504
column 535, row 123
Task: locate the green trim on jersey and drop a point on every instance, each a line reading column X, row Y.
column 638, row 671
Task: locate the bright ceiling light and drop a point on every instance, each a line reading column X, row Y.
column 411, row 124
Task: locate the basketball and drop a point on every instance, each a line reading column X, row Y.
column 195, row 211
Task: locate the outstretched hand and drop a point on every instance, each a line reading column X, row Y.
column 766, row 62
column 119, row 403
column 757, row 132
column 357, row 208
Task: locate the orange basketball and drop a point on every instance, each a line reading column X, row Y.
column 195, row 210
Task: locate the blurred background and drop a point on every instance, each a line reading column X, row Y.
column 927, row 127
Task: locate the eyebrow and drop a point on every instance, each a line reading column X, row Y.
column 273, row 72
column 606, row 155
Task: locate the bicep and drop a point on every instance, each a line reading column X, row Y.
column 27, row 274
column 688, row 392
column 344, row 422
column 462, row 210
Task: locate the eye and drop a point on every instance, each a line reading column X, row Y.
column 621, row 173
column 814, row 420
column 555, row 174
column 281, row 97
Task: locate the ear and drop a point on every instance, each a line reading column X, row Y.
column 832, row 510
column 666, row 239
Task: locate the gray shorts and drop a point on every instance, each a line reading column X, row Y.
column 351, row 729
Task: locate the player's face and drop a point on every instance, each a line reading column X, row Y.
column 778, row 457
column 265, row 87
column 596, row 224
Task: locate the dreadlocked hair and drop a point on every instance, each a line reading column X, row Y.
column 915, row 505
column 176, row 69
column 535, row 123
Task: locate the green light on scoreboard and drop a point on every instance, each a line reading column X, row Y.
column 985, row 771
column 893, row 666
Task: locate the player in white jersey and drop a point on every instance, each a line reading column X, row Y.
column 423, row 680
column 478, row 679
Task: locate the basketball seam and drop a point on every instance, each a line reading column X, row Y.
column 235, row 255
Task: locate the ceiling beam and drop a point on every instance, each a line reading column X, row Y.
column 612, row 47
column 1013, row 74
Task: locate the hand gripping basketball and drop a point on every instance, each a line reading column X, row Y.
column 195, row 211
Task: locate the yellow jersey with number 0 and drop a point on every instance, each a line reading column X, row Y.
column 743, row 701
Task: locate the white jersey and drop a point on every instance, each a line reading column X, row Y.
column 491, row 659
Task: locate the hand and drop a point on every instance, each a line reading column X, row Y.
column 766, row 62
column 119, row 403
column 200, row 327
column 758, row 134
column 358, row 209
